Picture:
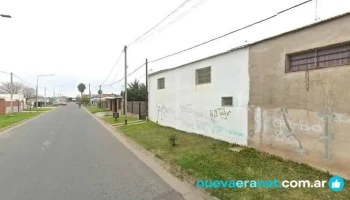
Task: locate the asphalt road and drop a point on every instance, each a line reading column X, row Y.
column 67, row 155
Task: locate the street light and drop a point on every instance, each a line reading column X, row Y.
column 37, row 83
column 5, row 16
column 9, row 16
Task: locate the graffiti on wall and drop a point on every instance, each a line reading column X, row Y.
column 220, row 112
column 281, row 128
column 161, row 110
column 198, row 120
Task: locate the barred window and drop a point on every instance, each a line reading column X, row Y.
column 226, row 101
column 203, row 75
column 319, row 58
column 161, row 83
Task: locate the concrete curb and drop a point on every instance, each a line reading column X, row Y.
column 18, row 124
column 185, row 189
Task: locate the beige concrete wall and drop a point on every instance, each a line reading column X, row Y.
column 318, row 117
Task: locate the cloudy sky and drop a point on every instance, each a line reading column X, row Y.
column 80, row 40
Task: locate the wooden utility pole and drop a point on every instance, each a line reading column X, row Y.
column 146, row 90
column 89, row 95
column 126, row 89
column 100, row 91
column 11, row 91
column 45, row 96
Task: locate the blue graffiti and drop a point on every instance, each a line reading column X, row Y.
column 188, row 124
column 221, row 129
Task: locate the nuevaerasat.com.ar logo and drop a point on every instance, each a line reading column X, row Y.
column 336, row 183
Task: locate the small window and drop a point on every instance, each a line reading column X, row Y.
column 331, row 56
column 161, row 83
column 226, row 101
column 203, row 75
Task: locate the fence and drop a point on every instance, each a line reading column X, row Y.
column 5, row 106
column 136, row 109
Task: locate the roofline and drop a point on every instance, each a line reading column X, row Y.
column 302, row 27
column 259, row 41
column 212, row 56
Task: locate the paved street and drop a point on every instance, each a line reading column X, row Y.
column 68, row 155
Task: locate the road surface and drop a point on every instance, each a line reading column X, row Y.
column 67, row 155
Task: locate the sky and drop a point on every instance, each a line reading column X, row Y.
column 79, row 41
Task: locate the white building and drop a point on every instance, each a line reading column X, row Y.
column 18, row 97
column 19, row 102
column 208, row 97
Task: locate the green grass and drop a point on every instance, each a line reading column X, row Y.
column 39, row 109
column 10, row 119
column 197, row 157
column 121, row 119
column 94, row 109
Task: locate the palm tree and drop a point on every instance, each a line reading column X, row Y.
column 81, row 88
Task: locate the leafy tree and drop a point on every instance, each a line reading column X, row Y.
column 136, row 91
column 81, row 88
column 100, row 92
column 5, row 88
column 84, row 99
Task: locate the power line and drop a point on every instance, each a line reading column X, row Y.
column 127, row 75
column 31, row 83
column 245, row 27
column 142, row 76
column 116, row 75
column 24, row 80
column 113, row 66
column 4, row 72
column 160, row 22
column 161, row 28
column 208, row 41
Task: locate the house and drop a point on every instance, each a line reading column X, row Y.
column 114, row 103
column 208, row 97
column 287, row 95
column 41, row 101
column 104, row 98
column 5, row 103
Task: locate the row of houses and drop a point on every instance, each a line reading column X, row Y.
column 20, row 102
column 287, row 95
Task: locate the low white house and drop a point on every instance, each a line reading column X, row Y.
column 208, row 97
column 18, row 97
column 19, row 102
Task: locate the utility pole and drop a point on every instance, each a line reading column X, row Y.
column 126, row 89
column 11, row 91
column 89, row 95
column 54, row 100
column 146, row 89
column 100, row 91
column 37, row 83
column 45, row 97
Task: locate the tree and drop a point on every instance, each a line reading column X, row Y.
column 81, row 88
column 5, row 88
column 99, row 91
column 84, row 99
column 136, row 91
column 28, row 92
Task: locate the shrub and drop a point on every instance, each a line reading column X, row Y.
column 173, row 139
